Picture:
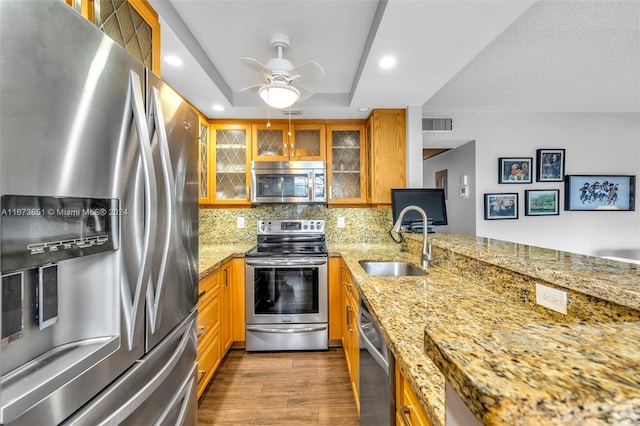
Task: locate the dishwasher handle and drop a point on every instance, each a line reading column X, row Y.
column 380, row 358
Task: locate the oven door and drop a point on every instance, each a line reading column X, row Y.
column 286, row 290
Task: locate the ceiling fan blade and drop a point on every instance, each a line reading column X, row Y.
column 253, row 88
column 309, row 71
column 304, row 93
column 255, row 64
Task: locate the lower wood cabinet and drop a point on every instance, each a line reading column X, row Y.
column 409, row 412
column 350, row 338
column 221, row 293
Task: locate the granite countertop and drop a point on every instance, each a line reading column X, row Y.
column 509, row 364
column 611, row 280
column 212, row 257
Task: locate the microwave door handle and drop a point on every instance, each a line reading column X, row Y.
column 311, row 183
column 281, row 186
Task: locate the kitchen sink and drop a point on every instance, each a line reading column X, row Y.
column 391, row 269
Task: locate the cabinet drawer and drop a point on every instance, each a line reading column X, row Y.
column 208, row 322
column 208, row 286
column 208, row 362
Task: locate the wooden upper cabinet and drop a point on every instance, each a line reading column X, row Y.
column 230, row 146
column 308, row 142
column 386, row 154
column 204, row 163
column 270, row 143
column 284, row 142
column 133, row 24
column 346, row 164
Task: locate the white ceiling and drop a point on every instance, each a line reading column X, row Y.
column 454, row 55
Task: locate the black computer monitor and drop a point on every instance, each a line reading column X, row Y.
column 431, row 200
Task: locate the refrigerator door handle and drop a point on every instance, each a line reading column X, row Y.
column 132, row 308
column 156, row 123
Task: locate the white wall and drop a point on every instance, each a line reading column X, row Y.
column 461, row 212
column 594, row 144
column 414, row 146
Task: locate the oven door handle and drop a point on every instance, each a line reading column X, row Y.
column 288, row 262
column 286, row 330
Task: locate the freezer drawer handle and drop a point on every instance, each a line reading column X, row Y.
column 286, row 330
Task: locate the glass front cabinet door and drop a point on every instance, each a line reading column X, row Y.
column 204, row 164
column 284, row 142
column 346, row 164
column 231, row 144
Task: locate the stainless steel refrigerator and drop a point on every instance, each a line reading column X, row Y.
column 99, row 229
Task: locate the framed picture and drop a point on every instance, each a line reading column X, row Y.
column 541, row 202
column 501, row 206
column 600, row 192
column 550, row 165
column 514, row 170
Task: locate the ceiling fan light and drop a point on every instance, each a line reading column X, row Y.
column 279, row 95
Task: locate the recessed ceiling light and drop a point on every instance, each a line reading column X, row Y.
column 363, row 109
column 218, row 108
column 173, row 60
column 387, row 62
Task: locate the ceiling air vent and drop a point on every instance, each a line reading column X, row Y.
column 288, row 112
column 437, row 124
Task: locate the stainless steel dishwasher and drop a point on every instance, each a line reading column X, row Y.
column 377, row 396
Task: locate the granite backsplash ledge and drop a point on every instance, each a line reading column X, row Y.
column 363, row 225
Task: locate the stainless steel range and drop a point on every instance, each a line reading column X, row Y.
column 286, row 287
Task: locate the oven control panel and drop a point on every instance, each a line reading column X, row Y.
column 288, row 227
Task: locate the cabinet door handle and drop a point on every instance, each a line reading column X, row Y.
column 349, row 313
column 201, row 330
column 226, row 277
column 202, row 293
column 405, row 411
column 202, row 374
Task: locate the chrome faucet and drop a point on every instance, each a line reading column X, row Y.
column 426, row 247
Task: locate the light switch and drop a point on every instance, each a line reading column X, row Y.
column 240, row 221
column 341, row 222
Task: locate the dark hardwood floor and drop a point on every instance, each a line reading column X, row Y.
column 280, row 388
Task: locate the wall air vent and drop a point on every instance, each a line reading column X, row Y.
column 437, row 124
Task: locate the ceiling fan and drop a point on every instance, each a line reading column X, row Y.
column 280, row 75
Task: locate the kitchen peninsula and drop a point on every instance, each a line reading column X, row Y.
column 473, row 322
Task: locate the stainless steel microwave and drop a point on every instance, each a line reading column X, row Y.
column 288, row 182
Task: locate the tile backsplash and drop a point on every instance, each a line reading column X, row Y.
column 219, row 226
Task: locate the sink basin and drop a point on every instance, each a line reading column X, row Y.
column 391, row 269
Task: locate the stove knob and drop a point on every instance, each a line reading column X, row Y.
column 319, row 225
column 305, row 227
column 312, row 227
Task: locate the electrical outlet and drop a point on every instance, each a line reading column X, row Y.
column 341, row 222
column 240, row 222
column 551, row 298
